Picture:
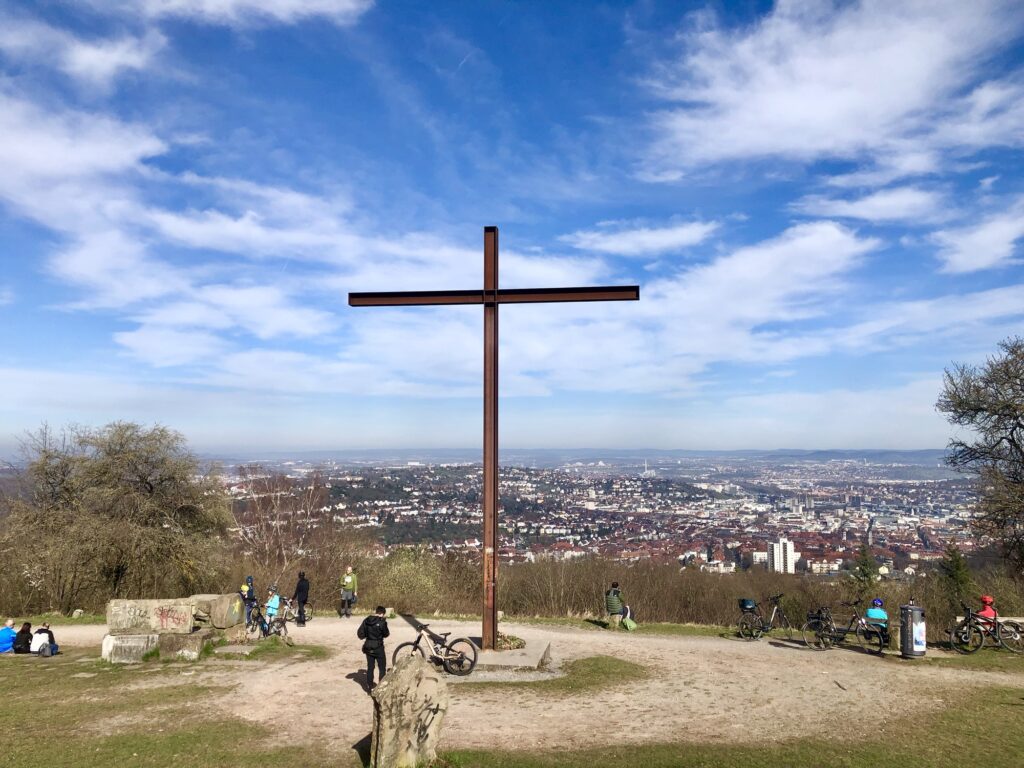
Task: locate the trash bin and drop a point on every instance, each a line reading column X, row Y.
column 912, row 631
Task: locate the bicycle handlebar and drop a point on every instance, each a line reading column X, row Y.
column 779, row 596
column 854, row 604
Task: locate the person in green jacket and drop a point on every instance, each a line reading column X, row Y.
column 349, row 591
column 614, row 605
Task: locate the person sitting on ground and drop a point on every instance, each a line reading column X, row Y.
column 23, row 640
column 372, row 632
column 7, row 635
column 43, row 642
column 614, row 605
column 877, row 615
column 988, row 608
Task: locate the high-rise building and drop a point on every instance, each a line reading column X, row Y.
column 782, row 556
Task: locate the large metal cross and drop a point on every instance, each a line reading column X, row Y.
column 491, row 296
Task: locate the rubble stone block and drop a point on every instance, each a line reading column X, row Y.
column 134, row 617
column 187, row 647
column 128, row 649
column 409, row 706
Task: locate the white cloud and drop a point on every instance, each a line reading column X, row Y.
column 988, row 244
column 903, row 204
column 814, row 79
column 642, row 241
column 95, row 63
column 163, row 347
column 242, row 13
column 6, row 296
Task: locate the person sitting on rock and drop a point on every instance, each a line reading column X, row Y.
column 23, row 640
column 43, row 642
column 988, row 609
column 372, row 632
column 7, row 635
column 614, row 605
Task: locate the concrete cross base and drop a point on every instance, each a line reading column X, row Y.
column 536, row 655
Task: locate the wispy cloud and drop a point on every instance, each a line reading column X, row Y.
column 870, row 80
column 95, row 63
column 641, row 241
column 988, row 244
column 902, row 204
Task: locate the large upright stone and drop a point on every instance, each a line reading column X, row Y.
column 220, row 611
column 138, row 617
column 409, row 706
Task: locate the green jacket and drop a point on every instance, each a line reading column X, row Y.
column 349, row 582
column 613, row 601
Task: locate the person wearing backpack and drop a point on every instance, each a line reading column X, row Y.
column 614, row 605
column 43, row 643
column 372, row 632
column 248, row 593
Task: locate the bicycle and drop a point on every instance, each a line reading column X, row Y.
column 971, row 633
column 752, row 624
column 291, row 612
column 821, row 633
column 458, row 657
column 258, row 625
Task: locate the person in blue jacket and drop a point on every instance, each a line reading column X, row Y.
column 877, row 615
column 7, row 635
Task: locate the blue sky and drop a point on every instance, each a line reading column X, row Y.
column 822, row 203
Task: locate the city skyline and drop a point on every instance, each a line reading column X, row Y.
column 821, row 202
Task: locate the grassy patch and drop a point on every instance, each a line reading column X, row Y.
column 99, row 715
column 985, row 660
column 986, row 724
column 580, row 676
column 273, row 648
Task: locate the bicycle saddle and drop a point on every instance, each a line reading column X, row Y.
column 776, row 597
column 442, row 634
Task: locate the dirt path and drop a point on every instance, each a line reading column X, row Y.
column 700, row 689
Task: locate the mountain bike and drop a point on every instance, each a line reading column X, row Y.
column 458, row 657
column 821, row 632
column 972, row 633
column 753, row 625
column 291, row 610
column 259, row 627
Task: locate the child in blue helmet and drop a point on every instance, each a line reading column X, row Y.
column 877, row 615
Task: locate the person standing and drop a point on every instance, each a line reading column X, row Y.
column 349, row 591
column 301, row 596
column 248, row 593
column 614, row 605
column 272, row 607
column 372, row 632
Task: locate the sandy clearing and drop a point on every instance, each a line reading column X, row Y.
column 700, row 689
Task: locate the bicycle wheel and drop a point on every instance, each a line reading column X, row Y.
column 750, row 627
column 459, row 657
column 818, row 635
column 309, row 612
column 1011, row 636
column 870, row 640
column 407, row 649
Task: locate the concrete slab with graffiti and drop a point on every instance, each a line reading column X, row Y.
column 134, row 617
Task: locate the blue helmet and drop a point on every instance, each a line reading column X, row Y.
column 877, row 602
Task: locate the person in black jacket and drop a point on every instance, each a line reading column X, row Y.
column 301, row 596
column 372, row 632
column 23, row 640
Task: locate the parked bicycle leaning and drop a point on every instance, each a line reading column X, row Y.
column 752, row 624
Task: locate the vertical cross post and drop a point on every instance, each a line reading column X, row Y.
column 490, row 489
column 491, row 297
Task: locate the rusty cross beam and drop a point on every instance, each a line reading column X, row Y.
column 490, row 297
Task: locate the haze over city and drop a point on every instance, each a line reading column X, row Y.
column 821, row 202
